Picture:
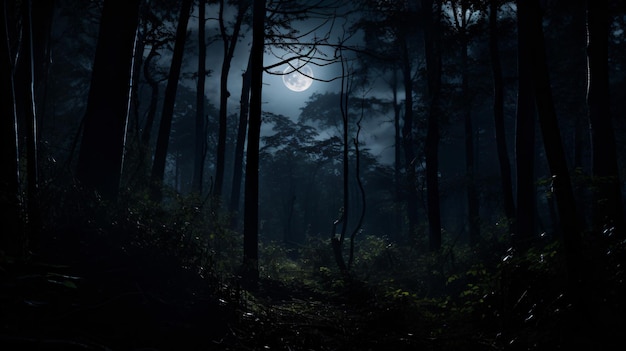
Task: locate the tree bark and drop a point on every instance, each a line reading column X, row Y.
column 160, row 154
column 251, row 205
column 101, row 152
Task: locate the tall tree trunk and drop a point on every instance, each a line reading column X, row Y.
column 608, row 211
column 343, row 105
column 9, row 175
column 154, row 98
column 408, row 142
column 200, row 136
column 473, row 204
column 101, row 152
column 160, row 154
column 235, row 190
column 26, row 70
column 397, row 152
column 251, row 205
column 135, row 130
column 524, row 136
column 498, row 115
column 432, row 16
column 42, row 15
column 357, row 168
column 230, row 43
column 337, row 242
column 553, row 145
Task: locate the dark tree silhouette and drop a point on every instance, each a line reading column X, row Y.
column 285, row 155
column 525, row 133
column 101, row 152
column 608, row 211
column 244, row 102
column 229, row 43
column 498, row 114
column 200, row 134
column 153, row 82
column 29, row 34
column 569, row 223
column 27, row 69
column 432, row 14
column 160, row 154
column 553, row 145
column 397, row 164
column 154, row 96
column 337, row 241
column 462, row 23
column 157, row 35
column 408, row 141
column 251, row 203
column 9, row 175
column 391, row 47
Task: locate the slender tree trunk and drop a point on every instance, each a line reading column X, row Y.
column 160, row 154
column 357, row 166
column 31, row 39
column 136, row 104
column 498, row 115
column 42, row 16
column 9, row 174
column 343, row 104
column 433, row 67
column 337, row 242
column 472, row 195
column 26, row 68
column 251, row 206
column 408, row 142
column 553, row 145
column 154, row 98
column 397, row 152
column 230, row 43
column 200, row 137
column 608, row 211
column 102, row 147
column 525, row 136
column 241, row 140
column 570, row 228
column 577, row 29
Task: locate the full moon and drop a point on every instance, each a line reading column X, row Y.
column 297, row 81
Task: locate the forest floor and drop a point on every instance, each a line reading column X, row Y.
column 88, row 298
column 98, row 298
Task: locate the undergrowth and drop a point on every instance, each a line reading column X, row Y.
column 484, row 297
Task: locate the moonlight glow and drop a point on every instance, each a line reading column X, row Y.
column 297, row 81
